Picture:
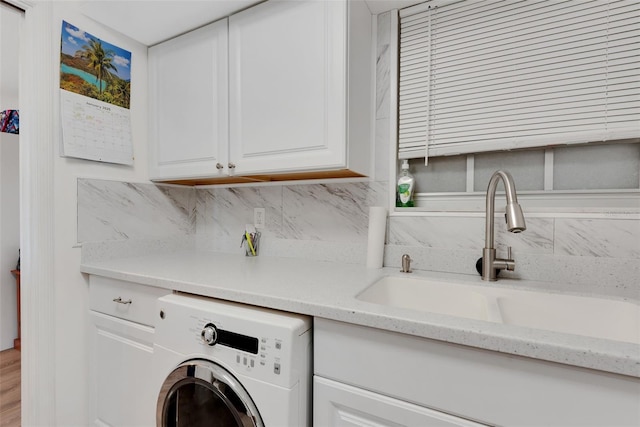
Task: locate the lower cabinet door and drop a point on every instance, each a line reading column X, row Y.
column 121, row 391
column 336, row 404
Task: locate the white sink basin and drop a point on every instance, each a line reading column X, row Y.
column 589, row 316
column 427, row 295
column 595, row 317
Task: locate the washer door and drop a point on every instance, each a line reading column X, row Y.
column 202, row 393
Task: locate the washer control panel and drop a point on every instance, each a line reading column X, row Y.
column 251, row 352
column 258, row 342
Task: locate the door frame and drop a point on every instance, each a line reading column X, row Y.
column 37, row 213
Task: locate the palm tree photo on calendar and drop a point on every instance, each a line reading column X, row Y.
column 93, row 67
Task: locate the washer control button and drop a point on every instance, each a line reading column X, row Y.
column 209, row 334
column 276, row 368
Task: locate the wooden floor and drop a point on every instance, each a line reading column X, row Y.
column 10, row 388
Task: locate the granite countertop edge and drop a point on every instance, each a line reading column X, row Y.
column 328, row 290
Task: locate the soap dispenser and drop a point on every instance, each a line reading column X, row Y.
column 404, row 190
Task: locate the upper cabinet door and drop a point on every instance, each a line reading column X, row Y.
column 189, row 104
column 287, row 85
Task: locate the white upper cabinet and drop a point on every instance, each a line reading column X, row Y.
column 289, row 86
column 189, row 104
column 299, row 96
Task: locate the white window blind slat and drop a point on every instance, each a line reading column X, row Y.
column 506, row 56
column 623, row 11
column 507, row 99
column 521, row 115
column 457, row 135
column 530, row 32
column 415, row 26
column 410, row 87
column 554, row 139
column 487, row 75
column 534, row 125
column 410, row 59
column 413, row 97
column 414, row 114
column 534, row 81
column 525, row 21
column 415, row 130
column 412, row 119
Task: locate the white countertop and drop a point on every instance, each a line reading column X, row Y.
column 328, row 290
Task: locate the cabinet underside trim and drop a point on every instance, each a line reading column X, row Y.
column 342, row 173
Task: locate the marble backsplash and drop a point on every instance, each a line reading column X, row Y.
column 317, row 221
column 599, row 256
column 329, row 222
column 112, row 210
column 119, row 219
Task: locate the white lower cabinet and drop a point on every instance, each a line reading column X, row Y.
column 370, row 377
column 121, row 350
column 120, row 386
column 341, row 405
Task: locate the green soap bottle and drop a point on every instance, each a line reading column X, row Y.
column 404, row 190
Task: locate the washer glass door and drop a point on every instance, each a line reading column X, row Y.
column 201, row 393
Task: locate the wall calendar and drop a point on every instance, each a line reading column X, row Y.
column 95, row 92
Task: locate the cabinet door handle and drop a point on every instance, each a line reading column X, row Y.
column 219, row 166
column 232, row 166
column 120, row 301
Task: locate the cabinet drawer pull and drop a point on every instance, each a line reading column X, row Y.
column 120, row 301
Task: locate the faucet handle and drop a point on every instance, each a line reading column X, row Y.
column 508, row 263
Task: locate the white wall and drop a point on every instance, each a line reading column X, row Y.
column 9, row 177
column 71, row 287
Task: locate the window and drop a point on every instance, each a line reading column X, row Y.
column 478, row 77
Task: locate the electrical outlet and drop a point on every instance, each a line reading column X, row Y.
column 259, row 217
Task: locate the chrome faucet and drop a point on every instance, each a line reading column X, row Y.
column 515, row 224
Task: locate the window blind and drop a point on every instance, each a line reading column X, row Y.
column 498, row 75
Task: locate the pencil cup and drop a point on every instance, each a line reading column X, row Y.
column 251, row 243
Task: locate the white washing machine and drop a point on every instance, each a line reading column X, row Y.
column 218, row 363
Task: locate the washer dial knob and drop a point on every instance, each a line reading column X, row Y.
column 210, row 334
